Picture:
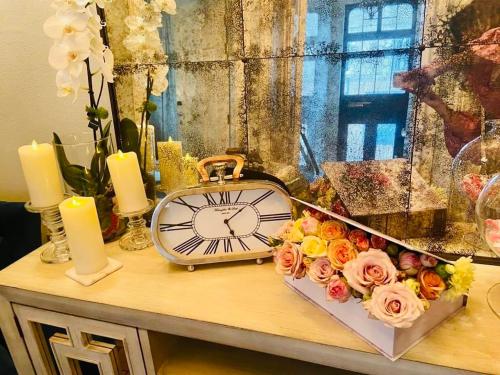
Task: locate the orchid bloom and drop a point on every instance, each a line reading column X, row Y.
column 70, row 53
column 67, row 85
column 65, row 23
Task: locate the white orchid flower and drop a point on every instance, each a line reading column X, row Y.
column 65, row 23
column 107, row 65
column 134, row 42
column 159, row 86
column 70, row 4
column 67, row 85
column 70, row 53
column 134, row 22
column 167, row 6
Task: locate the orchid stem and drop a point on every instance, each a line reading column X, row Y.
column 93, row 103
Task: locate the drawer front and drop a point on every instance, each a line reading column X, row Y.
column 68, row 343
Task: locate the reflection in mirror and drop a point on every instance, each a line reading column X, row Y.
column 335, row 89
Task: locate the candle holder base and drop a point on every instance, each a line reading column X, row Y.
column 57, row 250
column 92, row 278
column 138, row 236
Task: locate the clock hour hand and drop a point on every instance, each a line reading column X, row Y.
column 231, row 231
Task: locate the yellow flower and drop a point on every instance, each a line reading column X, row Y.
column 313, row 246
column 461, row 278
column 295, row 235
column 413, row 284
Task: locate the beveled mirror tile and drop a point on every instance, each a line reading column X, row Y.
column 203, row 31
column 458, row 23
column 203, row 107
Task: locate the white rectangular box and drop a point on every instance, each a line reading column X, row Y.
column 391, row 342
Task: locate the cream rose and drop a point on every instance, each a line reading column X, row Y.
column 395, row 305
column 310, row 226
column 313, row 247
column 370, row 268
column 289, row 260
column 338, row 290
column 320, row 271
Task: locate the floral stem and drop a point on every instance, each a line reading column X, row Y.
column 145, row 119
column 100, row 91
column 93, row 103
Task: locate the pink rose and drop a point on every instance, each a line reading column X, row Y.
column 320, row 271
column 310, row 226
column 370, row 268
column 289, row 260
column 428, row 260
column 285, row 230
column 395, row 305
column 472, row 185
column 409, row 262
column 337, row 290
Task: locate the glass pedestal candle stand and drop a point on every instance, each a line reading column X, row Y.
column 57, row 250
column 138, row 236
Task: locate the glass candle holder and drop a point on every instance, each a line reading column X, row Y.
column 138, row 236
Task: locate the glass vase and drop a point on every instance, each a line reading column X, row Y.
column 82, row 161
column 488, row 214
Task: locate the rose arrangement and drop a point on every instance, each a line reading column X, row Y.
column 394, row 283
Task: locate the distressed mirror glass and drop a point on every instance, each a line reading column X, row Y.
column 373, row 97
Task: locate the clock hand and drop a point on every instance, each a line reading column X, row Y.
column 231, row 231
column 237, row 212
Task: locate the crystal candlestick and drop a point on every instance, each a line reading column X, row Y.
column 57, row 250
column 138, row 236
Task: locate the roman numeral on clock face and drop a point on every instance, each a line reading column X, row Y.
column 228, row 247
column 182, row 202
column 210, row 199
column 244, row 246
column 261, row 238
column 276, row 217
column 225, row 197
column 187, row 247
column 174, row 227
column 212, row 247
column 267, row 194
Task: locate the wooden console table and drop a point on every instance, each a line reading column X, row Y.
column 155, row 317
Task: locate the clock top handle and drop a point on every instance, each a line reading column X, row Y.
column 202, row 164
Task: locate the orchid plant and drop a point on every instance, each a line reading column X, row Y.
column 144, row 44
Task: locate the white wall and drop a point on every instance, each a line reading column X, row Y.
column 29, row 107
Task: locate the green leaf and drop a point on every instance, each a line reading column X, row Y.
column 150, row 106
column 61, row 155
column 102, row 113
column 130, row 135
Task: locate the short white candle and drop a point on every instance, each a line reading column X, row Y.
column 127, row 181
column 41, row 174
column 83, row 231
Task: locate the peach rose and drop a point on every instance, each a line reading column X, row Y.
column 333, row 230
column 340, row 252
column 289, row 260
column 431, row 284
column 338, row 290
column 310, row 226
column 395, row 305
column 313, row 247
column 320, row 271
column 370, row 268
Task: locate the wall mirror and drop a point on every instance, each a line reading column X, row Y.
column 376, row 96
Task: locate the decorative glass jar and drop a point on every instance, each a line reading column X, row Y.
column 488, row 214
column 82, row 162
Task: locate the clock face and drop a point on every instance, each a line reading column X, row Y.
column 221, row 223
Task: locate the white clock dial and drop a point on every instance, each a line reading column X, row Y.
column 222, row 223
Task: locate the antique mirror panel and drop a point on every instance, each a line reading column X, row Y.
column 372, row 96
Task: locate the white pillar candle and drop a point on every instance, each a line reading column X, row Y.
column 41, row 173
column 83, row 231
column 127, row 181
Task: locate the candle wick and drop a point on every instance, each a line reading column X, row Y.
column 34, row 145
column 120, row 154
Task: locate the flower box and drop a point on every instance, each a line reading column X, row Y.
column 391, row 342
column 389, row 293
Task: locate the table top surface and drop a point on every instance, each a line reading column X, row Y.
column 252, row 297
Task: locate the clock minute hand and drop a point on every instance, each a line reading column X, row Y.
column 236, row 213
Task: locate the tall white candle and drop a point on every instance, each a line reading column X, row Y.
column 83, row 231
column 127, row 181
column 41, row 173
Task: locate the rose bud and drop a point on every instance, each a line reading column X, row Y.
column 392, row 249
column 333, row 230
column 428, row 260
column 359, row 238
column 378, row 242
column 338, row 290
column 339, row 208
column 441, row 271
column 409, row 262
column 431, row 284
column 316, row 214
